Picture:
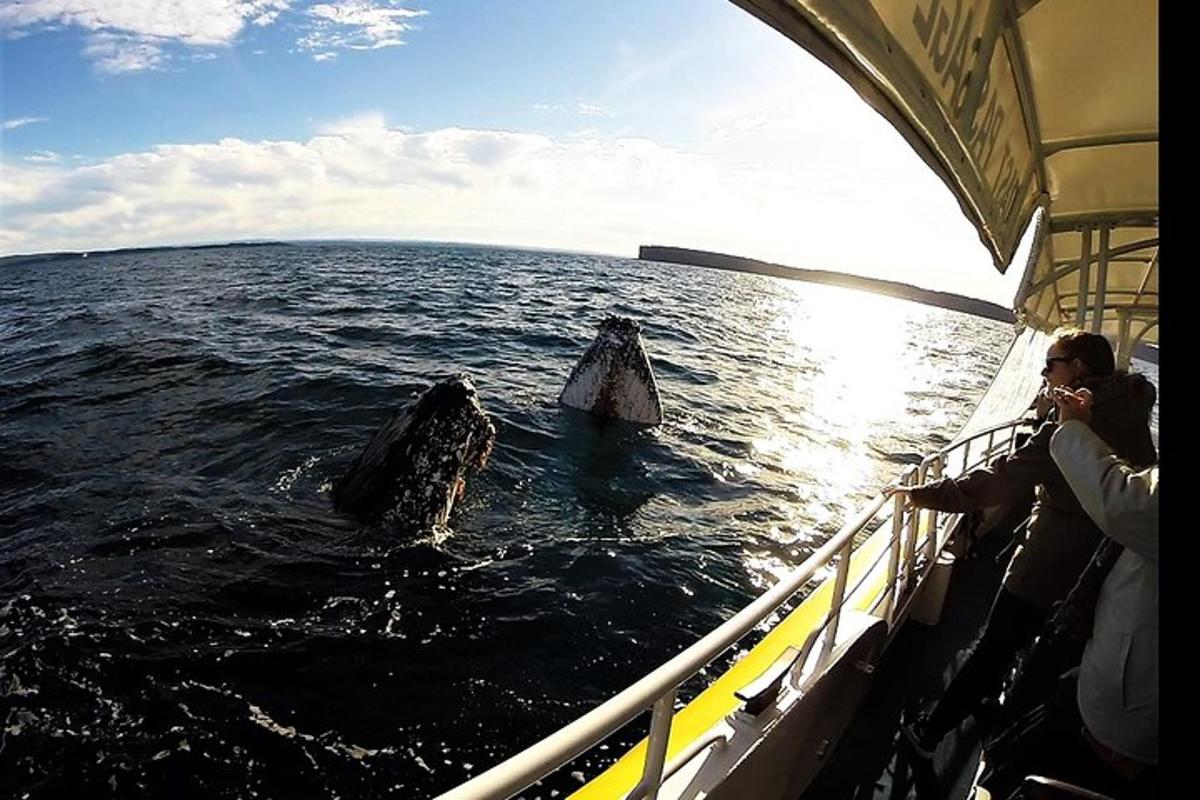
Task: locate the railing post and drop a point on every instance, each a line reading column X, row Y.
column 910, row 542
column 922, row 517
column 893, row 584
column 935, row 472
column 839, row 596
column 656, row 748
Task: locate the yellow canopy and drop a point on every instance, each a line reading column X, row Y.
column 1016, row 105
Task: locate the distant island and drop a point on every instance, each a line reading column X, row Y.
column 704, row 258
column 37, row 258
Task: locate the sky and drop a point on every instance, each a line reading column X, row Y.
column 556, row 124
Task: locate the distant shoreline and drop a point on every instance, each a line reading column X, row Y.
column 37, row 258
column 704, row 258
column 904, row 291
column 47, row 257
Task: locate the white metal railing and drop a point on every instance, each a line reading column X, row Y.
column 906, row 569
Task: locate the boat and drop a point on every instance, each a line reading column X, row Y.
column 1041, row 117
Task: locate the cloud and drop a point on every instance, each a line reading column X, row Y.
column 580, row 107
column 43, row 157
column 362, row 179
column 636, row 68
column 139, row 35
column 367, row 180
column 133, row 35
column 357, row 25
column 367, row 120
column 116, row 53
column 592, row 110
column 11, row 124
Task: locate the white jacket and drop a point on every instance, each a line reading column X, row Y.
column 1118, row 678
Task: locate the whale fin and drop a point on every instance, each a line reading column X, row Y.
column 614, row 378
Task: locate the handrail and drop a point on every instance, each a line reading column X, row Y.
column 657, row 690
column 1012, row 423
column 558, row 748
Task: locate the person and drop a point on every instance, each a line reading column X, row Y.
column 1100, row 729
column 1059, row 539
column 1118, row 676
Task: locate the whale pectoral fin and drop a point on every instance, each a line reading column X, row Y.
column 614, row 378
column 454, row 493
column 635, row 398
column 587, row 380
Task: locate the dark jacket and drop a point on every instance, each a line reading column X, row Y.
column 1060, row 537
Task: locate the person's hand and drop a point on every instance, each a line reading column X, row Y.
column 1043, row 402
column 896, row 488
column 1073, row 404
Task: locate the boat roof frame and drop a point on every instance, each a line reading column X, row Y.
column 876, row 46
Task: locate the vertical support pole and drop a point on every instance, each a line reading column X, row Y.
column 656, row 748
column 1124, row 341
column 839, row 597
column 931, row 517
column 1101, row 280
column 910, row 540
column 1040, row 235
column 893, row 573
column 1085, row 271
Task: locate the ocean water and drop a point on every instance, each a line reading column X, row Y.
column 183, row 613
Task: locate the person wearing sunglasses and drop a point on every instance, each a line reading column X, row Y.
column 1059, row 538
column 1098, row 728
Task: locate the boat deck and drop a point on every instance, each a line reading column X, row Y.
column 870, row 761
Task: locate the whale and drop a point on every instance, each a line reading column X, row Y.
column 613, row 379
column 414, row 468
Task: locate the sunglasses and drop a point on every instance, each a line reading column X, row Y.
column 1050, row 361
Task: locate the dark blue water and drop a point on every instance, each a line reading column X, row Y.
column 182, row 613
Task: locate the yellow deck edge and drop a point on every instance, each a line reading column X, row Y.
column 717, row 701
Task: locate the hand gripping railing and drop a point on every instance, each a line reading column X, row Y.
column 657, row 691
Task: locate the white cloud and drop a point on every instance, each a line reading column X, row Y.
column 357, row 25
column 137, row 35
column 598, row 194
column 592, row 110
column 116, row 53
column 132, row 35
column 580, row 107
column 43, row 157
column 194, row 22
column 370, row 181
column 268, row 12
column 11, row 124
column 637, row 67
column 367, row 120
